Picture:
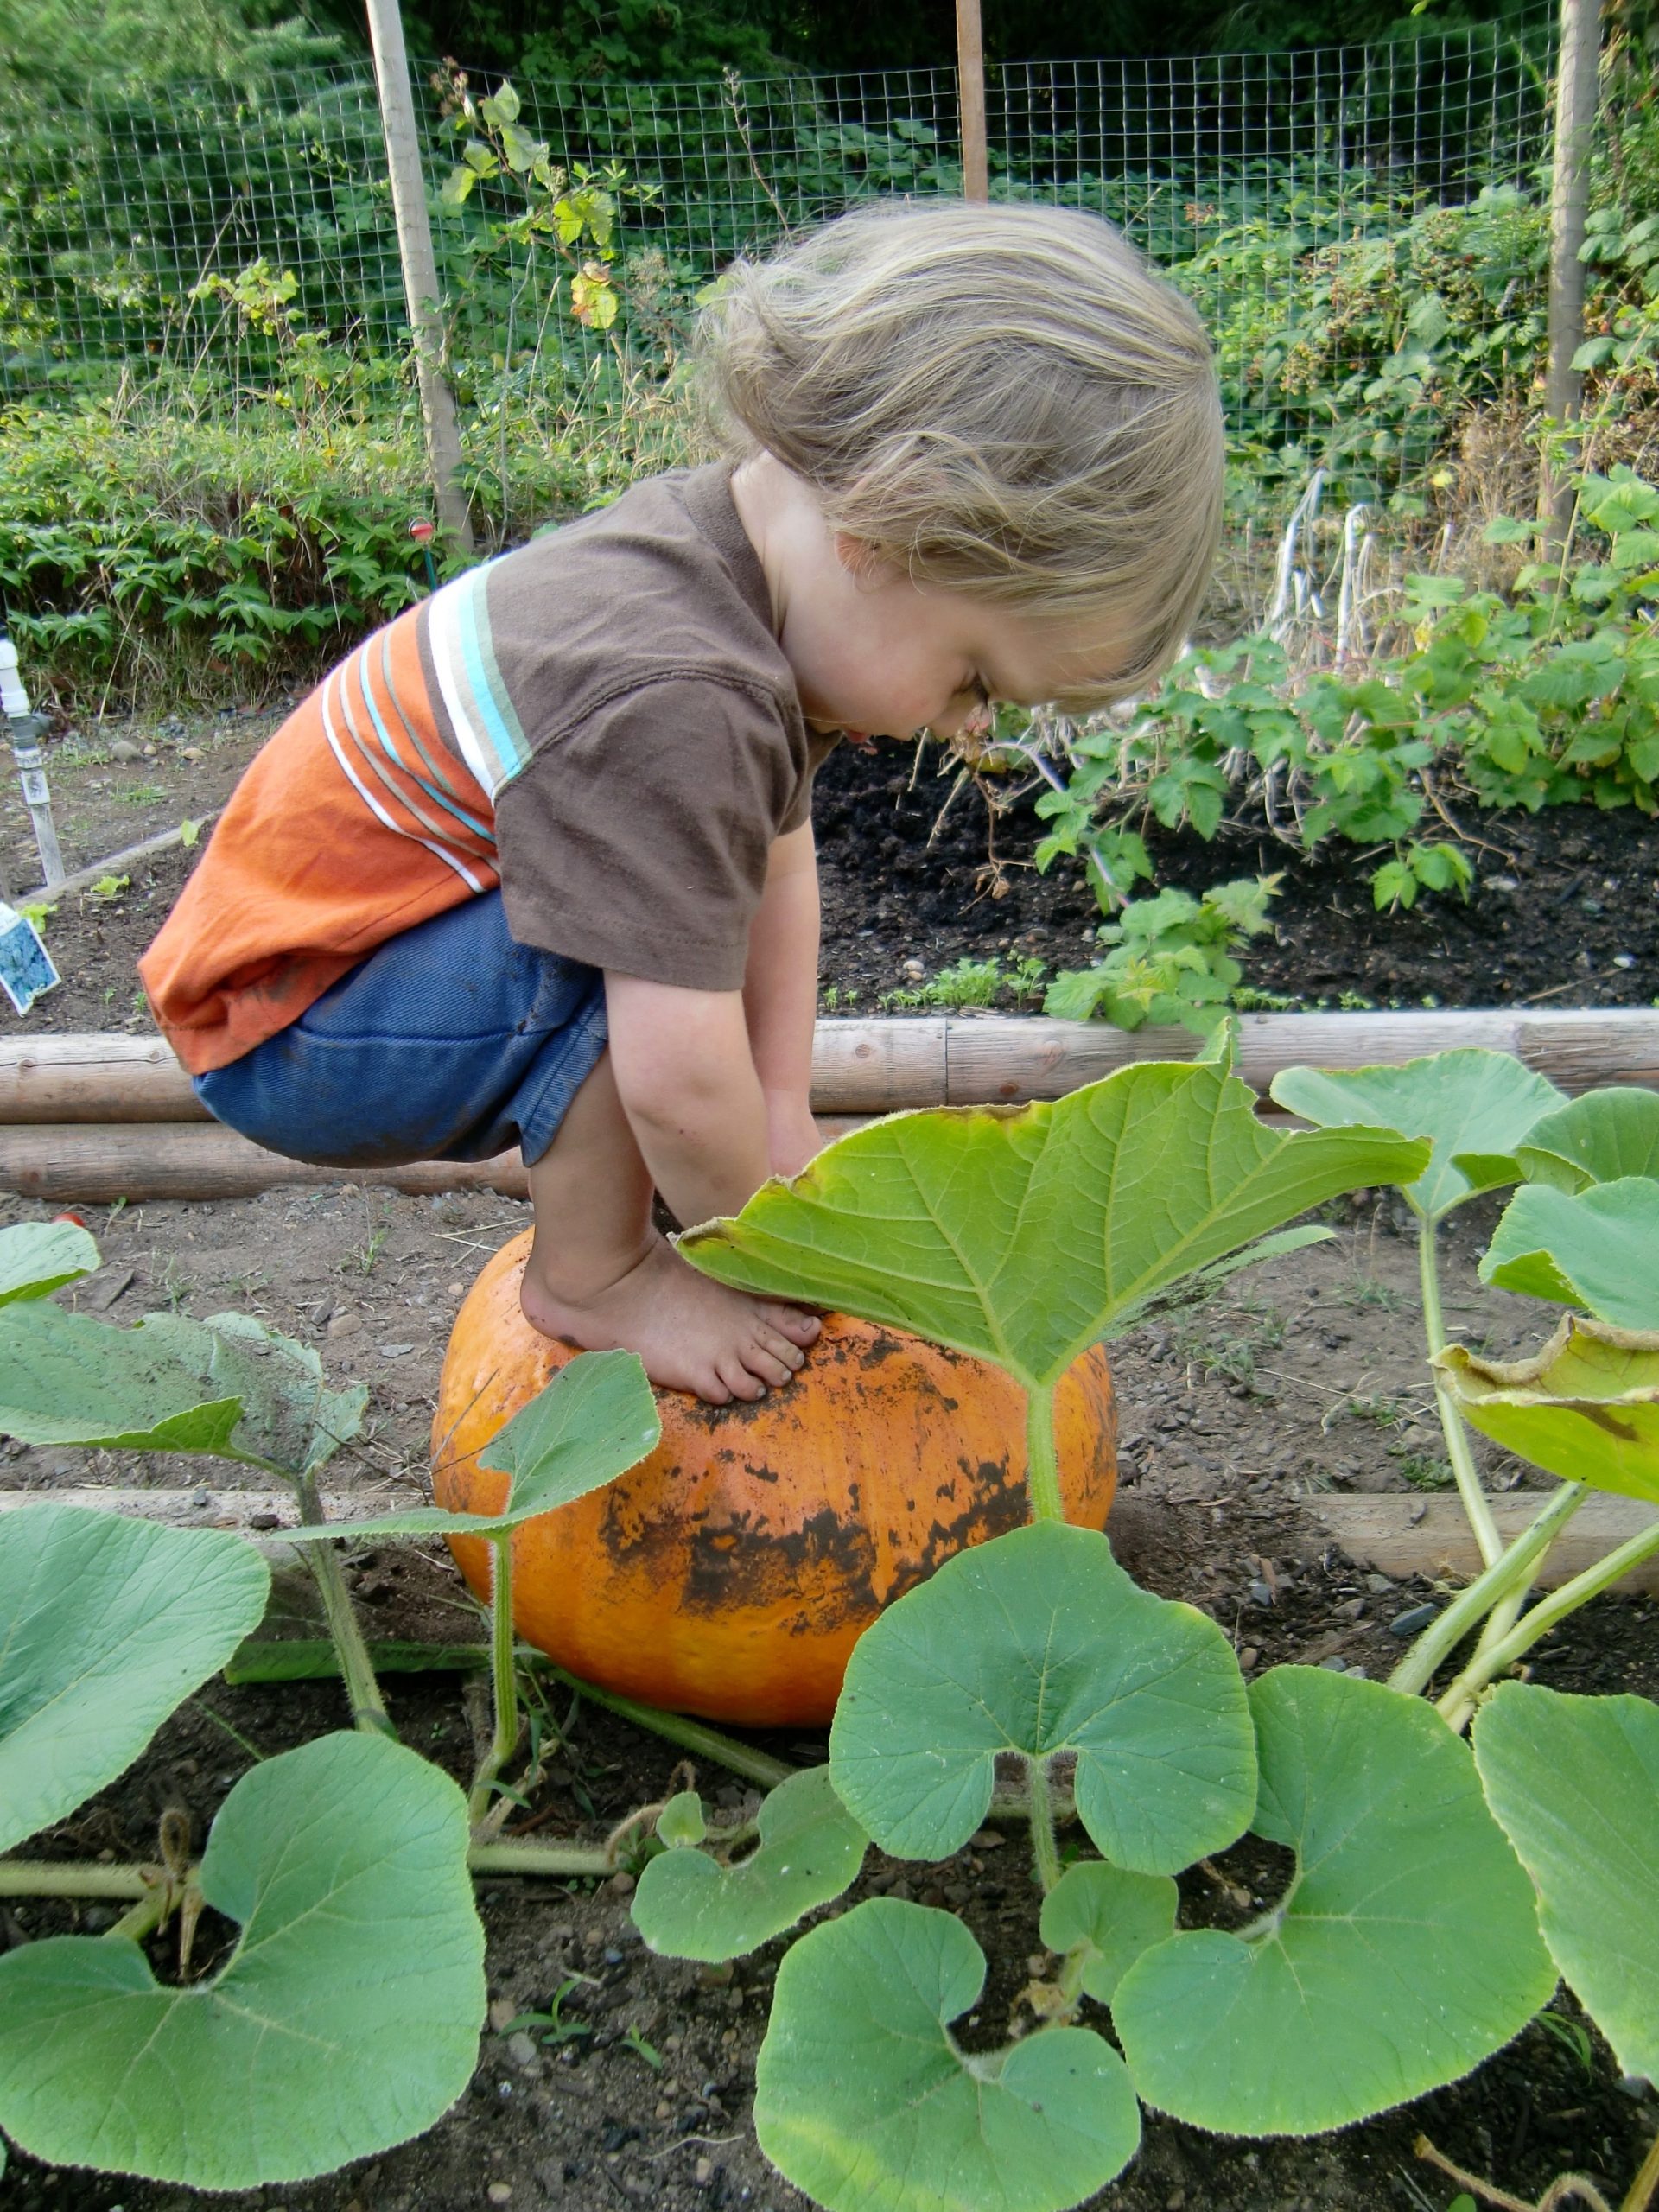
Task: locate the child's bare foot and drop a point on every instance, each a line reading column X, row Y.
column 692, row 1333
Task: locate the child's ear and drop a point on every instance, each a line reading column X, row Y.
column 862, row 562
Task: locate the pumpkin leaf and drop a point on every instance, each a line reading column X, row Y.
column 1574, row 1782
column 1110, row 1915
column 37, row 1257
column 1598, row 1248
column 346, row 2020
column 1587, row 1406
column 227, row 1386
column 1024, row 1236
column 1598, row 1138
column 1038, row 1643
column 1474, row 1106
column 864, row 2099
column 689, row 1906
column 680, row 1822
column 1406, row 1951
column 67, row 1379
column 105, row 1626
column 595, row 1419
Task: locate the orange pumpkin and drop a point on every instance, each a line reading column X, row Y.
column 731, row 1572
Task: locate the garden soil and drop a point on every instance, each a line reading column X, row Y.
column 1300, row 1377
column 922, row 868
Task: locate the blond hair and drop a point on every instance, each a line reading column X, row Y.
column 1000, row 401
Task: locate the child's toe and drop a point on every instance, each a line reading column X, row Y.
column 795, row 1322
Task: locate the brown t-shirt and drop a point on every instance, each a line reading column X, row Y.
column 603, row 722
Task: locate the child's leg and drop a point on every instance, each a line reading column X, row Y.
column 600, row 1275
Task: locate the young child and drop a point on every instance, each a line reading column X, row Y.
column 535, row 863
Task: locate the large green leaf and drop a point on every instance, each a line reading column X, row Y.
column 228, row 1386
column 106, row 1623
column 346, row 2018
column 1587, row 1406
column 36, row 1257
column 689, row 1906
column 1112, row 1916
column 1024, row 1235
column 1575, row 1783
column 1038, row 1644
column 1474, row 1106
column 864, row 2099
column 595, row 1419
column 1598, row 1138
column 1596, row 1247
column 1405, row 1951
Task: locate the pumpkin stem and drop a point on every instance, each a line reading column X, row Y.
column 368, row 1708
column 501, row 1668
column 1044, row 1846
column 1042, row 1469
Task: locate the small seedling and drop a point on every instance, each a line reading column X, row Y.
column 634, row 2040
column 551, row 2025
column 108, row 888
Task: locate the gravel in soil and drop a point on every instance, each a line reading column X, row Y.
column 915, row 878
column 1301, row 1376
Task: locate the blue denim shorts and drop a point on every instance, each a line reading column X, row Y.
column 449, row 1042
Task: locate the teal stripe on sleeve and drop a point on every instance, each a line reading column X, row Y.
column 495, row 712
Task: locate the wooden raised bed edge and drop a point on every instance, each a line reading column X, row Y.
column 71, row 1106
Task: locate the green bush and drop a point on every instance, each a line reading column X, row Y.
column 152, row 550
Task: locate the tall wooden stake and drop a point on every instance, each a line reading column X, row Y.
column 420, row 267
column 1577, row 88
column 970, row 81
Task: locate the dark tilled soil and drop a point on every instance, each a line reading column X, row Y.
column 1303, row 1376
column 1565, row 913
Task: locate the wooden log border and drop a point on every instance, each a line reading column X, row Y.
column 69, row 1103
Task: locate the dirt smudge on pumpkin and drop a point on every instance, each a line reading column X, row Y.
column 997, row 1501
column 813, row 1578
column 821, row 1573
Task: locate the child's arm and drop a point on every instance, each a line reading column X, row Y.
column 687, row 1080
column 780, row 998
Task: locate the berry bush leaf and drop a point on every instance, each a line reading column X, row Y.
column 1025, row 1234
column 864, row 2099
column 1574, row 1782
column 346, row 2018
column 1598, row 1248
column 1039, row 1643
column 37, row 1257
column 105, row 1626
column 688, row 1906
column 1586, row 1408
column 1114, row 1914
column 595, row 1419
column 1406, row 1951
column 1474, row 1106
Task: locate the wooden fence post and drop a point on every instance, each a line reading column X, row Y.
column 970, row 83
column 420, row 267
column 1577, row 88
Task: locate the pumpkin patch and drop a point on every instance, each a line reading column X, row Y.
column 731, row 1572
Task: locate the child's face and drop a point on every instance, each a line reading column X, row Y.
column 877, row 653
column 872, row 651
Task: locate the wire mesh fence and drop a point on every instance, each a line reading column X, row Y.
column 1334, row 213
